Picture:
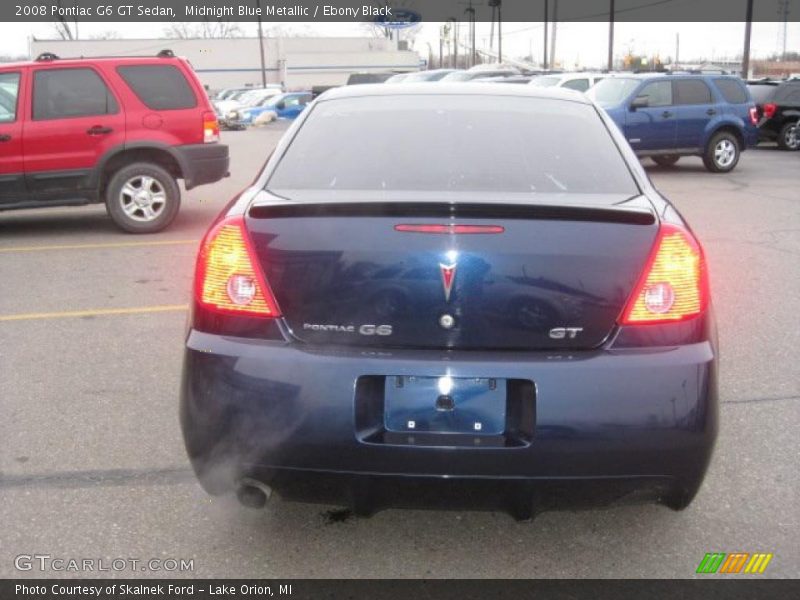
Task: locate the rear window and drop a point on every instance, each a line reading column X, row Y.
column 788, row 93
column 159, row 87
column 761, row 92
column 692, row 91
column 580, row 85
column 454, row 143
column 733, row 91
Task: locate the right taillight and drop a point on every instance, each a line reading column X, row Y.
column 769, row 110
column 210, row 127
column 754, row 115
column 228, row 278
column 674, row 284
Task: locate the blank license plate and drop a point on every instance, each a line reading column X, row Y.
column 445, row 405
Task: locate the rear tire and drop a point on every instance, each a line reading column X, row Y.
column 142, row 198
column 722, row 153
column 666, row 160
column 789, row 136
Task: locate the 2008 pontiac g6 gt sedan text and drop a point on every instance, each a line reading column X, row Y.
column 467, row 296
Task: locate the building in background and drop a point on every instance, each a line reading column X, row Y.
column 296, row 62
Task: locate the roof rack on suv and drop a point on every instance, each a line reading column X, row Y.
column 50, row 56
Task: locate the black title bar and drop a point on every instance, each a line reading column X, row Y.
column 393, row 13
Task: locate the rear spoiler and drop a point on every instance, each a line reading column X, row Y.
column 465, row 210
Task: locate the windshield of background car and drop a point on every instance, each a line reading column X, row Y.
column 612, row 91
column 453, row 143
column 255, row 98
column 457, row 76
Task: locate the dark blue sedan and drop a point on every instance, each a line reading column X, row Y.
column 462, row 296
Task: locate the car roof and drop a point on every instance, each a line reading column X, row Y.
column 666, row 75
column 572, row 75
column 454, row 89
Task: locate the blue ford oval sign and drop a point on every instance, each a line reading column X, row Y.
column 400, row 19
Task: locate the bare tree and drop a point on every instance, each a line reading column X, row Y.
column 63, row 28
column 205, row 29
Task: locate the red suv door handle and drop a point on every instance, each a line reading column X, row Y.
column 99, row 130
column 5, row 138
column 666, row 114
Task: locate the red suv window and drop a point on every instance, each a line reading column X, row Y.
column 69, row 93
column 159, row 87
column 9, row 91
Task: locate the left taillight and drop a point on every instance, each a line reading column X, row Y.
column 228, row 278
column 674, row 284
column 754, row 115
column 210, row 127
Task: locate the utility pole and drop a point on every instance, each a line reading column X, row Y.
column 611, row 37
column 555, row 32
column 748, row 25
column 470, row 10
column 783, row 15
column 499, row 31
column 491, row 30
column 677, row 48
column 544, row 56
column 441, row 46
column 455, row 43
column 261, row 46
column 497, row 11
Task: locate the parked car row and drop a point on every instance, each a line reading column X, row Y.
column 238, row 108
column 668, row 115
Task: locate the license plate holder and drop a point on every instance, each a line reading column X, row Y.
column 445, row 405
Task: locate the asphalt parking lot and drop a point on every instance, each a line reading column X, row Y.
column 92, row 463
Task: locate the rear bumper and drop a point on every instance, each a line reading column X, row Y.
column 751, row 136
column 282, row 412
column 203, row 163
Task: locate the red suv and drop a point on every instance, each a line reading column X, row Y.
column 115, row 130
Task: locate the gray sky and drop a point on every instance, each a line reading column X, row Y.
column 578, row 44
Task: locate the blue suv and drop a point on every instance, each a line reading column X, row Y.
column 666, row 116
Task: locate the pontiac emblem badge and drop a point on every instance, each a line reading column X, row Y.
column 448, row 276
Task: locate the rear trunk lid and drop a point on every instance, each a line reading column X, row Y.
column 550, row 275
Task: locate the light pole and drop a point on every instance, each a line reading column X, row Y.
column 455, row 42
column 544, row 55
column 746, row 53
column 611, row 37
column 497, row 5
column 261, row 46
